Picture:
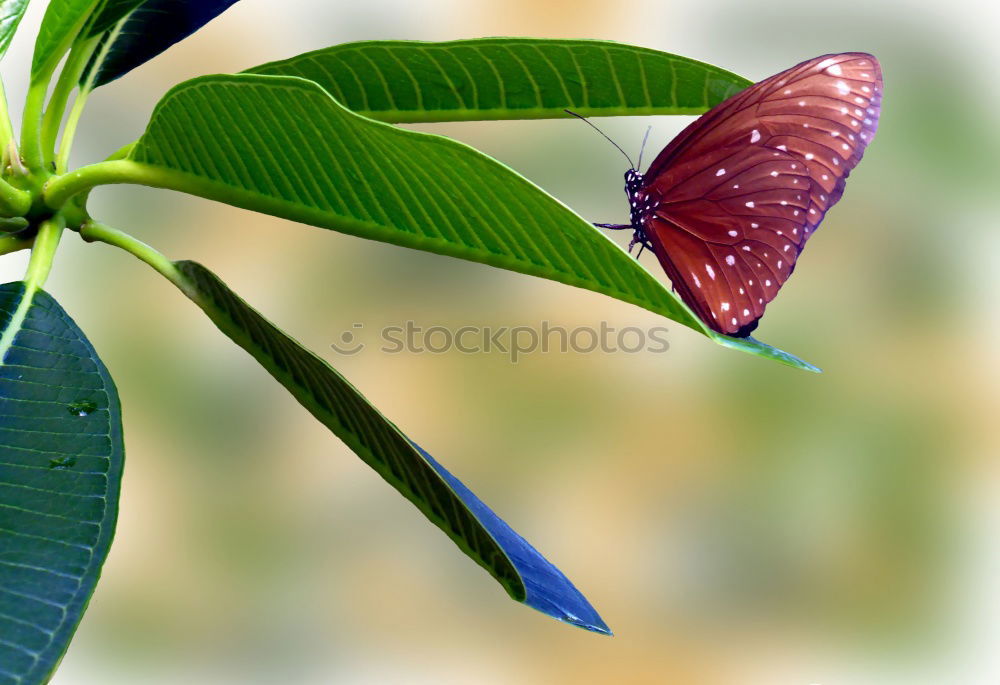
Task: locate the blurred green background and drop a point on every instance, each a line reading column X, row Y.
column 733, row 520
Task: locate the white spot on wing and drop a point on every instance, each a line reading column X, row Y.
column 730, row 260
column 710, row 271
column 755, row 136
column 725, row 306
column 843, row 88
column 750, row 204
column 720, row 172
column 733, row 233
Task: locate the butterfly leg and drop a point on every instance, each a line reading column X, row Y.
column 614, row 227
column 639, row 238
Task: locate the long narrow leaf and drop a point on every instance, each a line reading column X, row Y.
column 136, row 31
column 509, row 78
column 61, row 461
column 283, row 146
column 524, row 573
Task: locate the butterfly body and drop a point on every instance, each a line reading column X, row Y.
column 729, row 204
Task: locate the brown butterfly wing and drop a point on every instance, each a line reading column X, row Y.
column 740, row 190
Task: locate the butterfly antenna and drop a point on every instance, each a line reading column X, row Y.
column 586, row 121
column 643, row 147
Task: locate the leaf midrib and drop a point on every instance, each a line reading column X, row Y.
column 16, row 321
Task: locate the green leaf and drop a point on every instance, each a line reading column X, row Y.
column 509, row 78
column 61, row 458
column 11, row 12
column 61, row 24
column 138, row 30
column 523, row 572
column 283, row 146
column 109, row 14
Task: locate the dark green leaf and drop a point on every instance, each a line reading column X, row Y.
column 61, row 460
column 109, row 14
column 63, row 20
column 138, row 30
column 509, row 78
column 524, row 573
column 11, row 12
column 283, row 146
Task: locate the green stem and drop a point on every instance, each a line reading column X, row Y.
column 59, row 189
column 43, row 251
column 12, row 243
column 69, row 132
column 31, row 128
column 93, row 231
column 122, row 152
column 13, row 201
column 6, row 129
column 68, row 80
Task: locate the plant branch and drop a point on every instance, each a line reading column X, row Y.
column 13, row 201
column 95, row 231
column 31, row 128
column 69, row 132
column 59, row 189
column 43, row 251
column 13, row 243
column 6, row 129
column 68, row 80
column 122, row 152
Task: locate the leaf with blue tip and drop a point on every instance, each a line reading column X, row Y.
column 524, row 573
column 545, row 587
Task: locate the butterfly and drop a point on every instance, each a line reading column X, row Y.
column 728, row 205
